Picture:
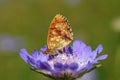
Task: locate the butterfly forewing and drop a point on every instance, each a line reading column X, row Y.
column 59, row 34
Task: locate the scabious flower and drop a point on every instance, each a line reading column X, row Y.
column 70, row 64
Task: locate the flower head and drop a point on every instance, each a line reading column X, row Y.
column 71, row 63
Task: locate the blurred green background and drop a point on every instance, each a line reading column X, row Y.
column 25, row 23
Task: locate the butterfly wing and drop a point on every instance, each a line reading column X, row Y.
column 59, row 34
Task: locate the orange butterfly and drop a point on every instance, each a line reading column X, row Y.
column 59, row 34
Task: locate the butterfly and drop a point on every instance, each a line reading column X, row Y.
column 59, row 34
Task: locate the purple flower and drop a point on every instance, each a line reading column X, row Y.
column 72, row 63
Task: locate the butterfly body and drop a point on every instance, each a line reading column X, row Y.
column 59, row 35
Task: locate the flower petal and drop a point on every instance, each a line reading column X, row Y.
column 101, row 57
column 68, row 49
column 43, row 48
column 85, row 53
column 35, row 53
column 73, row 66
column 93, row 55
column 43, row 66
column 65, row 66
column 99, row 49
column 58, row 66
column 31, row 61
column 24, row 54
column 42, row 57
column 78, row 45
column 78, row 48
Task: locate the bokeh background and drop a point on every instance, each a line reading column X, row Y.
column 25, row 23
